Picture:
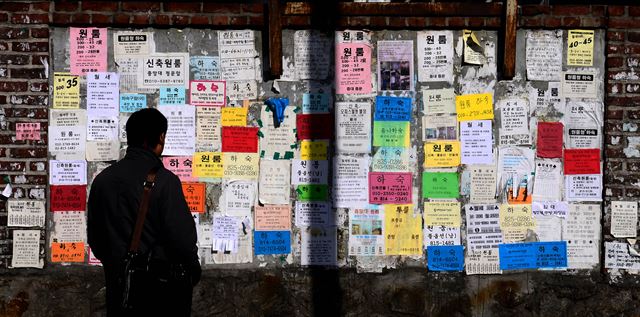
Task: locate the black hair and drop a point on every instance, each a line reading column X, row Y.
column 144, row 128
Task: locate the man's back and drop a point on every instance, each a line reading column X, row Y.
column 113, row 206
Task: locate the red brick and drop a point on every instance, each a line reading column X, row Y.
column 30, row 46
column 570, row 10
column 39, row 87
column 66, row 6
column 552, row 22
column 378, row 21
column 14, row 59
column 30, row 100
column 492, row 22
column 614, row 152
column 590, row 22
column 238, row 20
column 615, row 35
column 41, row 6
column 200, row 20
column 634, row 11
column 101, row 18
column 220, row 20
column 39, row 60
column 475, row 22
column 144, row 6
column 535, row 9
column 15, row 166
column 361, row 21
column 394, row 22
column 439, row 21
column 12, row 86
column 14, row 33
column 33, row 179
column 30, row 18
column 296, row 20
column 30, row 113
column 633, row 36
column 614, row 114
column 108, row 6
column 257, row 21
column 14, row 6
column 598, row 10
column 417, row 21
column 531, row 22
column 633, row 114
column 81, row 18
column 4, row 46
column 59, row 18
column 614, row 88
column 252, row 7
column 180, row 20
column 28, row 73
column 39, row 32
column 183, row 7
column 615, row 10
column 28, row 153
column 141, row 19
column 632, row 49
column 615, row 49
column 456, row 22
column 4, row 17
column 35, row 166
column 222, row 8
column 3, row 99
column 571, row 21
column 162, row 20
column 615, row 62
column 121, row 18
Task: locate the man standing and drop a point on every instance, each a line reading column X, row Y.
column 169, row 234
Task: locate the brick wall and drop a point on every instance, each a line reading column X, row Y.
column 24, row 62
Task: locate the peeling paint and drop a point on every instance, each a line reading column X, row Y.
column 629, row 127
column 633, row 148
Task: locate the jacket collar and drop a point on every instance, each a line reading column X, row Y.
column 139, row 153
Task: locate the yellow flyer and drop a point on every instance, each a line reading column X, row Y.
column 313, row 150
column 442, row 213
column 403, row 230
column 234, row 116
column 208, row 165
column 514, row 222
column 240, row 165
column 474, row 107
column 580, row 48
column 66, row 91
column 442, row 154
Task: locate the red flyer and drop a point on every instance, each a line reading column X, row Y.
column 240, row 139
column 314, row 126
column 581, row 161
column 549, row 144
column 68, row 197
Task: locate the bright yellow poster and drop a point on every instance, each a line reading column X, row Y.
column 403, row 230
column 514, row 222
column 207, row 165
column 474, row 107
column 240, row 165
column 442, row 154
column 66, row 91
column 234, row 116
column 313, row 150
column 580, row 48
column 442, row 213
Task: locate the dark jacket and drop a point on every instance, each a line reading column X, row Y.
column 113, row 206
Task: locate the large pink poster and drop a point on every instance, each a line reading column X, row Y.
column 88, row 49
column 353, row 68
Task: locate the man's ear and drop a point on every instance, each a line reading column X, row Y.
column 162, row 137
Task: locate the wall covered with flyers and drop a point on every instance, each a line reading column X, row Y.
column 375, row 149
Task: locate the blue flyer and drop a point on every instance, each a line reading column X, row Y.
column 392, row 109
column 445, row 258
column 533, row 255
column 272, row 242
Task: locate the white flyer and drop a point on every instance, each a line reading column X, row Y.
column 69, row 226
column 353, row 127
column 225, row 234
column 514, row 122
column 624, row 219
column 180, row 138
column 583, row 187
column 580, row 84
column 395, row 65
column 437, row 101
column 581, row 230
column 103, row 97
column 440, row 236
column 366, row 231
column 319, row 246
column 483, row 227
column 277, row 143
column 617, row 256
column 133, row 43
column 350, row 181
column 237, row 198
column 26, row 249
column 67, row 172
column 483, row 184
column 313, row 213
column 102, row 128
column 98, row 151
column 435, row 56
column 275, row 181
column 476, row 138
column 309, row 172
column 25, row 213
column 310, row 54
column 549, row 208
column 164, row 69
column 208, row 133
column 67, row 142
column 544, row 55
column 548, row 180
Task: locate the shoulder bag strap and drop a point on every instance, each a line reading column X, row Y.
column 142, row 210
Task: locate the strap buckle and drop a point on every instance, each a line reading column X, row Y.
column 147, row 184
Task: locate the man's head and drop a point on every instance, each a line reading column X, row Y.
column 147, row 128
